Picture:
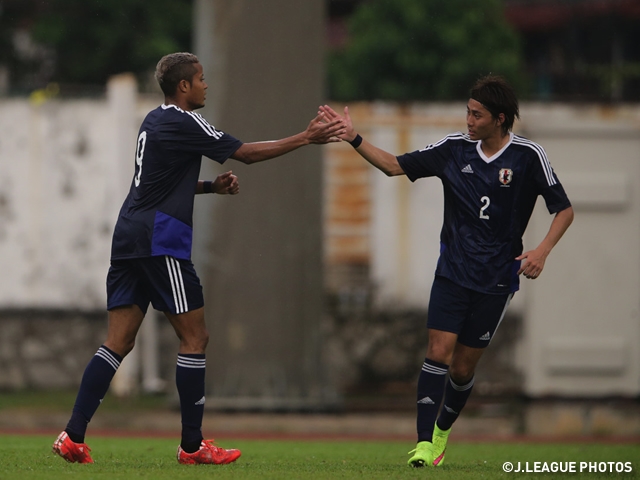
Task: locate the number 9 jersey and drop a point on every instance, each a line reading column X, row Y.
column 487, row 205
column 157, row 215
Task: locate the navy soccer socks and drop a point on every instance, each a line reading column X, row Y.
column 95, row 383
column 455, row 398
column 190, row 382
column 430, row 393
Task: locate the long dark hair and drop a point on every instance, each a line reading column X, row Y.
column 497, row 96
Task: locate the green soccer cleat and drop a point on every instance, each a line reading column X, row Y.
column 440, row 438
column 423, row 455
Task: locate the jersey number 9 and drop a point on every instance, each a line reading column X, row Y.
column 142, row 141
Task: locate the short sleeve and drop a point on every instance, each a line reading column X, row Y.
column 198, row 136
column 547, row 181
column 428, row 162
column 555, row 198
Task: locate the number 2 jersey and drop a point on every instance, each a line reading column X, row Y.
column 156, row 218
column 487, row 205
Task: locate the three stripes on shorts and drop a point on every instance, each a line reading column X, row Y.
column 177, row 285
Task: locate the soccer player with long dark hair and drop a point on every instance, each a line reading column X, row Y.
column 491, row 181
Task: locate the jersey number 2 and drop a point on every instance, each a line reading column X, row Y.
column 486, row 201
column 142, row 141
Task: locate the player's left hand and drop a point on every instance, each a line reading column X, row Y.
column 533, row 265
column 226, row 184
column 331, row 114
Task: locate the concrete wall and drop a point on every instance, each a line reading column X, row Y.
column 582, row 329
column 65, row 167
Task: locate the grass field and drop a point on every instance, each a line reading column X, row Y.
column 26, row 457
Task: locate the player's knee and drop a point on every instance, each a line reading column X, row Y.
column 461, row 374
column 195, row 342
column 439, row 353
column 122, row 346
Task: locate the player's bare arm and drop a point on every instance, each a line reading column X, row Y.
column 225, row 184
column 534, row 259
column 381, row 159
column 319, row 131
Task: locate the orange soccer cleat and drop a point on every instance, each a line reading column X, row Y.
column 208, row 453
column 70, row 451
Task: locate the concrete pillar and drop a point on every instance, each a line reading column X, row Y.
column 260, row 255
column 122, row 96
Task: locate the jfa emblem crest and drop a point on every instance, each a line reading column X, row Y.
column 505, row 176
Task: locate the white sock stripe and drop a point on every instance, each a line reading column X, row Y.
column 188, row 364
column 191, row 365
column 109, row 360
column 432, row 369
column 107, row 357
column 462, row 388
column 194, row 361
column 111, row 355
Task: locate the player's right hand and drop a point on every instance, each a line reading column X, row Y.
column 226, row 184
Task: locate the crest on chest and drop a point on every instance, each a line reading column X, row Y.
column 505, row 176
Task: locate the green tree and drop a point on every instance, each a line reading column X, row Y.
column 93, row 39
column 423, row 50
column 18, row 58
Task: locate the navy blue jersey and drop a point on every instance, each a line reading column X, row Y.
column 487, row 205
column 157, row 215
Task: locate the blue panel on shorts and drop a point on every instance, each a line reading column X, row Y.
column 171, row 237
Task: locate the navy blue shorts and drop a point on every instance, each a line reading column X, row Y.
column 472, row 315
column 168, row 283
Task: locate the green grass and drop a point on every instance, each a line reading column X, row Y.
column 26, row 457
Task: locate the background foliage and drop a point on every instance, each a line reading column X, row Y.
column 423, row 50
column 398, row 50
column 86, row 41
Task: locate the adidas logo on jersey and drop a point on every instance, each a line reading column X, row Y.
column 467, row 169
column 427, row 401
column 200, row 402
column 486, row 336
